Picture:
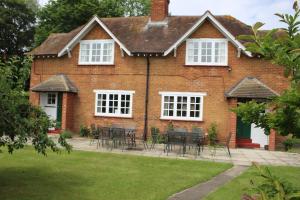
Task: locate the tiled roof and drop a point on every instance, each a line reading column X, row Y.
column 134, row 33
column 251, row 87
column 57, row 83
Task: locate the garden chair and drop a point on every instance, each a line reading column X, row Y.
column 222, row 145
column 94, row 134
column 154, row 137
column 130, row 130
column 199, row 136
column 118, row 137
column 176, row 138
column 105, row 136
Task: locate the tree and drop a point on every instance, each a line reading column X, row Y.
column 282, row 48
column 64, row 15
column 17, row 21
column 19, row 120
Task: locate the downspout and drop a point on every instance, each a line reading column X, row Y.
column 146, row 99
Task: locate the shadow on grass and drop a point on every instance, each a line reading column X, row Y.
column 33, row 183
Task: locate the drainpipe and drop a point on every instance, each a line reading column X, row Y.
column 146, row 99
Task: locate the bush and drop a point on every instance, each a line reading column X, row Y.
column 288, row 143
column 213, row 134
column 84, row 131
column 67, row 134
column 271, row 187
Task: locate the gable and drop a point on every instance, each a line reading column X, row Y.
column 85, row 30
column 207, row 30
column 96, row 33
column 218, row 25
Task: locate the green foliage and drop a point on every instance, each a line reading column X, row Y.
column 67, row 134
column 213, row 134
column 170, row 126
column 272, row 187
column 254, row 112
column 281, row 46
column 283, row 113
column 84, row 131
column 19, row 120
column 64, row 15
column 288, row 143
column 17, row 21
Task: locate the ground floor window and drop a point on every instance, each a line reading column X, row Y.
column 182, row 106
column 113, row 103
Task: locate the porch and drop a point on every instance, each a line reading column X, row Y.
column 54, row 96
column 249, row 135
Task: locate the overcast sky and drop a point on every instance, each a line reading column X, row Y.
column 248, row 11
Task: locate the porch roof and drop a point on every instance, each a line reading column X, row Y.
column 57, row 83
column 251, row 87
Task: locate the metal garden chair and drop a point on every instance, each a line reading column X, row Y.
column 118, row 137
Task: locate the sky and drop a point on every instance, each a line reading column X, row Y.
column 248, row 11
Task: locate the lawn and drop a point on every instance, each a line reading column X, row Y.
column 26, row 175
column 236, row 188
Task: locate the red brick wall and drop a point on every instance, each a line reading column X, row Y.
column 166, row 74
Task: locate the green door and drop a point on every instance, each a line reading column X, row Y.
column 59, row 110
column 243, row 129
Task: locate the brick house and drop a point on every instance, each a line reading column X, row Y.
column 148, row 71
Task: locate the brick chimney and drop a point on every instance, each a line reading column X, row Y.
column 159, row 10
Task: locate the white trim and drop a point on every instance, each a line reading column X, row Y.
column 212, row 55
column 90, row 42
column 218, row 25
column 85, row 30
column 185, row 94
column 119, row 93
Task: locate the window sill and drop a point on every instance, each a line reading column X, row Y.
column 198, row 65
column 186, row 120
column 115, row 116
column 95, row 64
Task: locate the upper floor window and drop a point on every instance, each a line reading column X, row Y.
column 93, row 52
column 207, row 52
column 182, row 106
column 113, row 103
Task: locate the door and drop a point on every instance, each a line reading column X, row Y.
column 48, row 102
column 243, row 129
column 258, row 136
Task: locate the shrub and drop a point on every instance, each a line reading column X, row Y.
column 213, row 134
column 170, row 126
column 84, row 131
column 272, row 187
column 288, row 143
column 67, row 134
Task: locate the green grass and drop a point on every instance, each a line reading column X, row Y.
column 240, row 185
column 26, row 175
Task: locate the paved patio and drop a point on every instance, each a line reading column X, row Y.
column 239, row 156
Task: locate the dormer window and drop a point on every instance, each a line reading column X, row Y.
column 202, row 51
column 96, row 52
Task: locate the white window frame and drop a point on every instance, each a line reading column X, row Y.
column 119, row 93
column 51, row 105
column 91, row 42
column 213, row 63
column 184, row 94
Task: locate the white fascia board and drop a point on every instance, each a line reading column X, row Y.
column 218, row 25
column 85, row 30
